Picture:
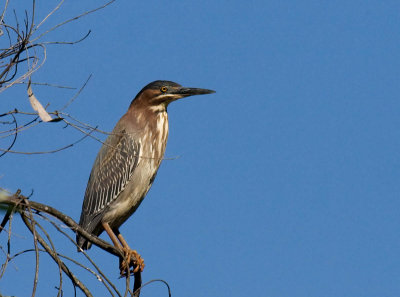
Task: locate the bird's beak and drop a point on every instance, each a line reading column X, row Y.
column 185, row 92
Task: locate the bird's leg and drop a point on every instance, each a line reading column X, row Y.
column 128, row 261
column 123, row 265
column 112, row 236
column 138, row 263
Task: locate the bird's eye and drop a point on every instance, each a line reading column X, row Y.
column 164, row 89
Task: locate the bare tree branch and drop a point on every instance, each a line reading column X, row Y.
column 25, row 54
column 30, row 224
column 28, row 210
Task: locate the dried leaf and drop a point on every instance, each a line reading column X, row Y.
column 37, row 106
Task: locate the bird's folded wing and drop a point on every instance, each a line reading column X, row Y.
column 111, row 171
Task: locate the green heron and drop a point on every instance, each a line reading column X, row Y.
column 127, row 164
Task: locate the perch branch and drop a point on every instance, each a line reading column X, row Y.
column 20, row 203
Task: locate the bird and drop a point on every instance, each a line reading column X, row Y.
column 126, row 166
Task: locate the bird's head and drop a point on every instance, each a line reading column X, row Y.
column 160, row 93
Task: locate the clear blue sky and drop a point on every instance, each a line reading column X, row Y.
column 288, row 178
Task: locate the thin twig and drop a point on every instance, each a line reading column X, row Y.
column 15, row 138
column 51, row 13
column 102, row 275
column 64, row 267
column 156, row 280
column 35, row 237
column 4, row 11
column 69, row 42
column 46, row 152
column 57, row 260
column 77, row 94
column 8, row 217
column 50, row 85
column 73, row 19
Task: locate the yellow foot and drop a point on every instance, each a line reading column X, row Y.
column 131, row 260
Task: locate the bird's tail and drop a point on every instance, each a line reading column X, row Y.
column 91, row 225
column 82, row 243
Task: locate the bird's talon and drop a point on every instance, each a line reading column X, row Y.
column 131, row 259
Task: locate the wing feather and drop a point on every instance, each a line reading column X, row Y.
column 112, row 170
